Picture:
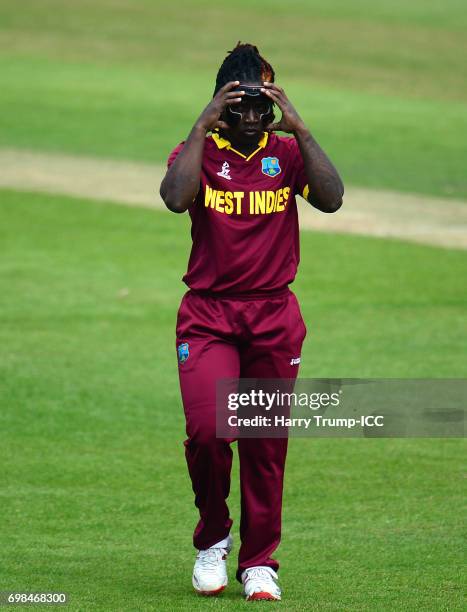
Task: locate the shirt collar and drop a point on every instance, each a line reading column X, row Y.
column 223, row 143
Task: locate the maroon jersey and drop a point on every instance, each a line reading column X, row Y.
column 244, row 218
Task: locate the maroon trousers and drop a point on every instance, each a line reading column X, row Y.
column 218, row 337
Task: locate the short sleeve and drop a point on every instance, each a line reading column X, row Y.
column 300, row 180
column 174, row 154
column 170, row 161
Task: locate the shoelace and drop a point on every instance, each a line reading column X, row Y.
column 209, row 559
column 258, row 576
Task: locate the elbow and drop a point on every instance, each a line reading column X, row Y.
column 333, row 202
column 330, row 205
column 333, row 206
column 328, row 200
column 174, row 206
column 172, row 203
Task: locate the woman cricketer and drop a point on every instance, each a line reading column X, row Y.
column 239, row 319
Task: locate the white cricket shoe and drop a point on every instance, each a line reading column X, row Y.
column 210, row 571
column 260, row 583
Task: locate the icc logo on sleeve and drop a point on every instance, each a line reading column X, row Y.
column 270, row 166
column 183, row 352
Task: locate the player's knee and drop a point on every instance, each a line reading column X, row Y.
column 204, row 440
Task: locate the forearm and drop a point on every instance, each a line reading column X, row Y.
column 324, row 182
column 181, row 182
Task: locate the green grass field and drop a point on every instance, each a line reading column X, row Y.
column 383, row 88
column 95, row 496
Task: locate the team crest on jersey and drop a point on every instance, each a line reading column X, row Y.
column 183, row 352
column 270, row 166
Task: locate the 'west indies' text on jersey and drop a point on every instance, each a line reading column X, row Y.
column 244, row 218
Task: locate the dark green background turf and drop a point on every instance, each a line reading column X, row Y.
column 382, row 85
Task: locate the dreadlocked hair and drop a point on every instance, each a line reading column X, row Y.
column 244, row 63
